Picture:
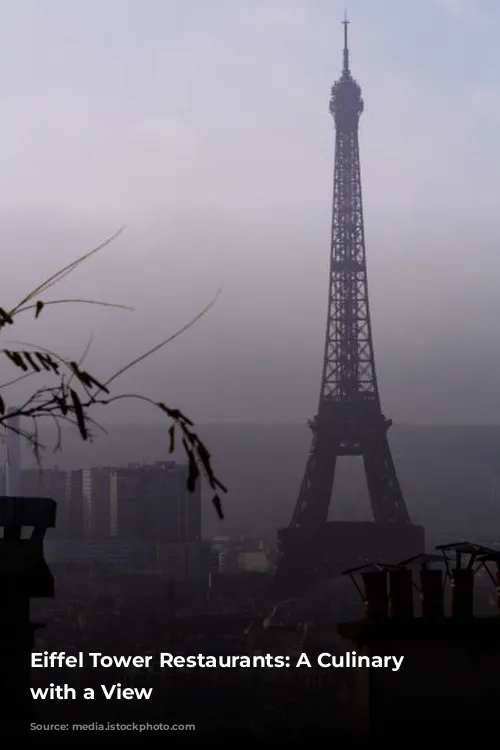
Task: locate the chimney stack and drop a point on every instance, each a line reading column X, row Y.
column 462, row 576
column 398, row 603
column 431, row 593
column 400, row 594
column 376, row 599
column 462, row 592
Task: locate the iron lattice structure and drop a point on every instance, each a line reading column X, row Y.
column 349, row 420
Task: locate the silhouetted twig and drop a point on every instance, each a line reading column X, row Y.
column 76, row 392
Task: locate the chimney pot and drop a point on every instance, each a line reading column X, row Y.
column 376, row 599
column 462, row 592
column 400, row 594
column 432, row 593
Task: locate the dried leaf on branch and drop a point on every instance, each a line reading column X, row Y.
column 75, row 391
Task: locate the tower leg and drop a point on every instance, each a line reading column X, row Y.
column 384, row 489
column 311, row 509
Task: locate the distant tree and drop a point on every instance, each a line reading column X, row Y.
column 72, row 392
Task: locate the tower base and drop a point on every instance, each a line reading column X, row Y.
column 309, row 557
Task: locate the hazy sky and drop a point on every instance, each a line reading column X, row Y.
column 203, row 126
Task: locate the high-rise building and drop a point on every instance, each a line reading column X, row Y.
column 96, row 489
column 77, row 515
column 82, row 496
column 151, row 502
column 48, row 483
column 148, row 503
column 138, row 517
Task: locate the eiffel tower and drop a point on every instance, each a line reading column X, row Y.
column 349, row 420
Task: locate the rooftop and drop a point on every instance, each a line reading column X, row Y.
column 477, row 629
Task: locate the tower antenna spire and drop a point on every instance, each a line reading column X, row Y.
column 345, row 24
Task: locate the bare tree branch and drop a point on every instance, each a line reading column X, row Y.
column 63, row 272
column 38, row 307
column 165, row 342
column 76, row 392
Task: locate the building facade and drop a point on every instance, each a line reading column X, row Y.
column 137, row 517
column 151, row 503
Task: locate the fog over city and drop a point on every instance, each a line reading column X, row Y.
column 203, row 127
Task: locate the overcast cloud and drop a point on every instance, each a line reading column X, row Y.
column 204, row 128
